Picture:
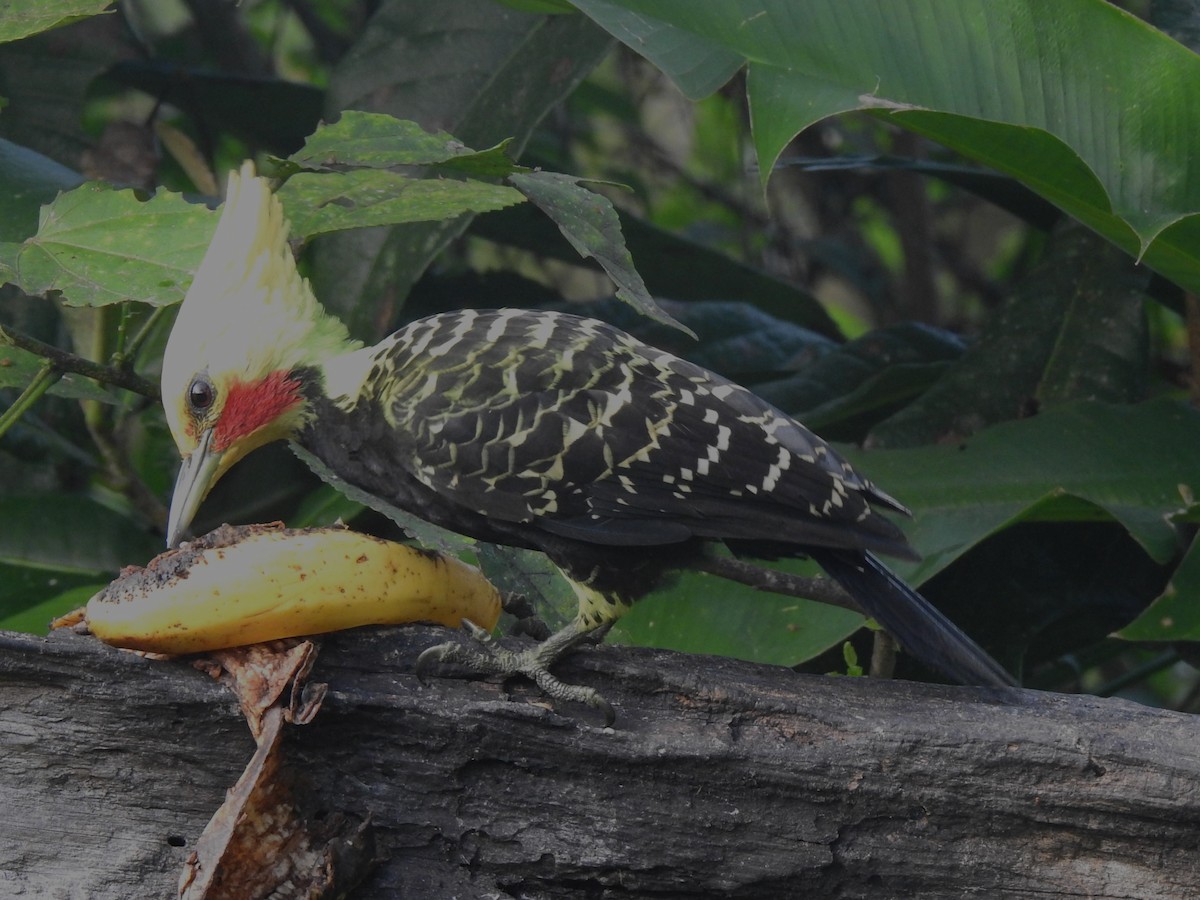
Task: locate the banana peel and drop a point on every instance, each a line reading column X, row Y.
column 248, row 584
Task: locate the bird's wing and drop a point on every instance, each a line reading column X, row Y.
column 576, row 427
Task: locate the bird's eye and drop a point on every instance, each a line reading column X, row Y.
column 201, row 394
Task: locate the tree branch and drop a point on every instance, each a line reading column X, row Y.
column 721, row 778
column 69, row 362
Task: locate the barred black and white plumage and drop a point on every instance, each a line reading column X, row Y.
column 534, row 429
column 566, row 435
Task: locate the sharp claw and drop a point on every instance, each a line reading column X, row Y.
column 610, row 714
column 480, row 634
column 421, row 667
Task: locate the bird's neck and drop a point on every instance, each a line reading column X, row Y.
column 344, row 375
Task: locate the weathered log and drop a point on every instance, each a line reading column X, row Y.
column 721, row 778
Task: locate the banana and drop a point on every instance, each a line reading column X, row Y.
column 257, row 583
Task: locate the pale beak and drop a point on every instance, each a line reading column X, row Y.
column 197, row 474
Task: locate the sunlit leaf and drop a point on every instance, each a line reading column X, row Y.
column 21, row 18
column 97, row 245
column 378, row 141
column 331, row 201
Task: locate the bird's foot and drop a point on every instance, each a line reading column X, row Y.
column 487, row 657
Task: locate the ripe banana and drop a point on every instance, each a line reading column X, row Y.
column 258, row 583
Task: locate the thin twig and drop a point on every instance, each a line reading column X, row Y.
column 47, row 375
column 64, row 361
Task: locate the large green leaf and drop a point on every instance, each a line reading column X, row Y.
column 97, row 245
column 1077, row 99
column 21, row 18
column 70, row 533
column 64, row 597
column 1083, row 461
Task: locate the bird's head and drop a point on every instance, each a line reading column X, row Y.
column 248, row 335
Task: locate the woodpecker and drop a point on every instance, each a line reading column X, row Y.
column 532, row 429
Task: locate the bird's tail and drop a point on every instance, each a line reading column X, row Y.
column 911, row 619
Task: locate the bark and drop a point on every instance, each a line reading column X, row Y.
column 720, row 778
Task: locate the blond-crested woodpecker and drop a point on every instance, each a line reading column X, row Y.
column 540, row 430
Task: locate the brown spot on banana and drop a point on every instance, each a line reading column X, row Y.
column 244, row 585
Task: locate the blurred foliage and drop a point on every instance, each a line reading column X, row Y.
column 938, row 270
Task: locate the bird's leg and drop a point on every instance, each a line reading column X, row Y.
column 489, row 658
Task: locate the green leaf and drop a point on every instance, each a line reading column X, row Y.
column 697, row 65
column 1043, row 92
column 703, row 614
column 1077, row 462
column 332, row 201
column 36, row 618
column 97, row 246
column 71, row 534
column 1175, row 615
column 542, row 7
column 324, row 506
column 1039, row 590
column 22, row 18
column 530, row 575
column 589, row 221
column 378, row 141
column 27, row 180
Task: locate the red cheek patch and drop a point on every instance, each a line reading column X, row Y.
column 249, row 405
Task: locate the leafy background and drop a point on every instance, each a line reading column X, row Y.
column 961, row 239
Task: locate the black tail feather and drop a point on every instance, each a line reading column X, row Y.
column 911, row 619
